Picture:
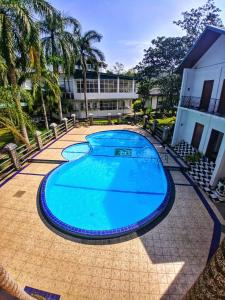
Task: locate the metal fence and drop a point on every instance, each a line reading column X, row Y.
column 211, row 106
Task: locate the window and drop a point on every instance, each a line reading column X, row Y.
column 108, row 85
column 108, row 105
column 121, row 104
column 95, row 105
column 82, row 106
column 92, row 86
column 126, row 86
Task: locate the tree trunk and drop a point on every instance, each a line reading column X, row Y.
column 85, row 93
column 211, row 282
column 22, row 123
column 7, row 37
column 44, row 110
column 8, row 284
column 60, row 109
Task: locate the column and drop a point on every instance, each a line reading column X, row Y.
column 65, row 121
column 38, row 139
column 74, row 119
column 179, row 111
column 53, row 126
column 11, row 150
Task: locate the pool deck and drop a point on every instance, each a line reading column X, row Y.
column 161, row 264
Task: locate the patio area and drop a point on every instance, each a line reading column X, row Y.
column 161, row 264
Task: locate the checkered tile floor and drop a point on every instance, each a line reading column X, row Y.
column 201, row 171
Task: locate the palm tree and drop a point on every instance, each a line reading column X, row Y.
column 8, row 284
column 88, row 54
column 18, row 35
column 46, row 82
column 10, row 116
column 59, row 45
column 211, row 282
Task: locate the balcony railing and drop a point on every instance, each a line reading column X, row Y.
column 197, row 103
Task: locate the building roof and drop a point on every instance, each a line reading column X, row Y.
column 203, row 43
column 155, row 91
column 94, row 75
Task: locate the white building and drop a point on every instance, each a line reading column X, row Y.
column 155, row 98
column 201, row 112
column 106, row 93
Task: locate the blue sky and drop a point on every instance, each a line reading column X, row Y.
column 128, row 26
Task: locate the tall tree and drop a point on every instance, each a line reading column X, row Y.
column 59, row 45
column 162, row 57
column 144, row 88
column 18, row 36
column 88, row 54
column 211, row 282
column 193, row 22
column 118, row 68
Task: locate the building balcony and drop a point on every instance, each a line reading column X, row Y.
column 210, row 106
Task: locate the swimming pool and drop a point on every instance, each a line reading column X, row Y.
column 112, row 185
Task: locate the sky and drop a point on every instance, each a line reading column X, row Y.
column 128, row 26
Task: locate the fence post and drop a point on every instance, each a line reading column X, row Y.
column 134, row 117
column 74, row 119
column 91, row 119
column 165, row 134
column 53, row 126
column 145, row 119
column 154, row 126
column 38, row 139
column 109, row 119
column 65, row 120
column 119, row 118
column 11, row 150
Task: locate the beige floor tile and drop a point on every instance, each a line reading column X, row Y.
column 162, row 263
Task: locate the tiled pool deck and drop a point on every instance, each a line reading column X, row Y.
column 161, row 264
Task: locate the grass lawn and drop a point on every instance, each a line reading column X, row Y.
column 5, row 137
column 166, row 121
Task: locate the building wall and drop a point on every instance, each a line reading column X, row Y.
column 211, row 66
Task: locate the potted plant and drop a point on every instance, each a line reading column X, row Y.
column 220, row 190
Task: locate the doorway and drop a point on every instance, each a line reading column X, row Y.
column 221, row 107
column 197, row 135
column 206, row 95
column 214, row 144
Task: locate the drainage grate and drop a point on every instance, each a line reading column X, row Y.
column 19, row 194
column 123, row 152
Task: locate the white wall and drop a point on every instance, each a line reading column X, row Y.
column 211, row 66
column 185, row 129
column 105, row 96
column 214, row 55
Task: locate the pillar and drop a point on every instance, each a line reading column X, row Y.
column 165, row 134
column 74, row 119
column 109, row 119
column 119, row 118
column 11, row 150
column 154, row 126
column 91, row 119
column 53, row 126
column 145, row 119
column 38, row 139
column 65, row 121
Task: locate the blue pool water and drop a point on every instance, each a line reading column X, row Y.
column 113, row 184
